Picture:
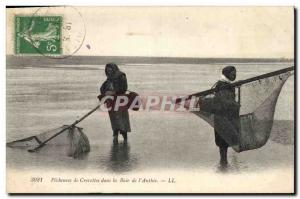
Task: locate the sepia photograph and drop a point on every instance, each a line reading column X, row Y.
column 150, row 100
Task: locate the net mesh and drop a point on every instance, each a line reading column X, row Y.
column 258, row 101
column 72, row 141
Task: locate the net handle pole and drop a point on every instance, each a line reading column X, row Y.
column 61, row 131
column 86, row 115
column 238, row 83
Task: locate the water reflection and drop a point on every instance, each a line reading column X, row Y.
column 120, row 158
column 234, row 166
column 223, row 168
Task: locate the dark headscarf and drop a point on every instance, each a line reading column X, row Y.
column 227, row 70
column 114, row 68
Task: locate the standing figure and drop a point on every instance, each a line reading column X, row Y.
column 115, row 85
column 226, row 117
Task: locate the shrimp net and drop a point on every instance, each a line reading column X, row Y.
column 70, row 141
column 257, row 101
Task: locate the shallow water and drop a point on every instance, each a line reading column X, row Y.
column 40, row 99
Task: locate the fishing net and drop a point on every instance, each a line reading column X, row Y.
column 70, row 140
column 257, row 101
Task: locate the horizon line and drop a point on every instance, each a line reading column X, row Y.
column 40, row 55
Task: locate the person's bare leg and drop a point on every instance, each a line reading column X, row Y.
column 115, row 135
column 223, row 155
column 124, row 134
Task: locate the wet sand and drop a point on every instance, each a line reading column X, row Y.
column 40, row 99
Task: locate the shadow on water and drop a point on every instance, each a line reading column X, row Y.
column 227, row 169
column 235, row 165
column 120, row 159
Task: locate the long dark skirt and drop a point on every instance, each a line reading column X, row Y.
column 220, row 142
column 226, row 130
column 119, row 120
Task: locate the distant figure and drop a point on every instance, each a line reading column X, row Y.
column 226, row 117
column 116, row 84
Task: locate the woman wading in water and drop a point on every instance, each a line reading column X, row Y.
column 115, row 85
column 226, row 117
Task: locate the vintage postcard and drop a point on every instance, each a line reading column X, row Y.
column 150, row 100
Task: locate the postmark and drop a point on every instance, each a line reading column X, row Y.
column 55, row 32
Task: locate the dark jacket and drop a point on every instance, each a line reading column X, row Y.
column 226, row 117
column 118, row 83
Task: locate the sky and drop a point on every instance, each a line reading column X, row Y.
column 214, row 32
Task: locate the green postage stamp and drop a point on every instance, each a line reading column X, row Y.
column 38, row 35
